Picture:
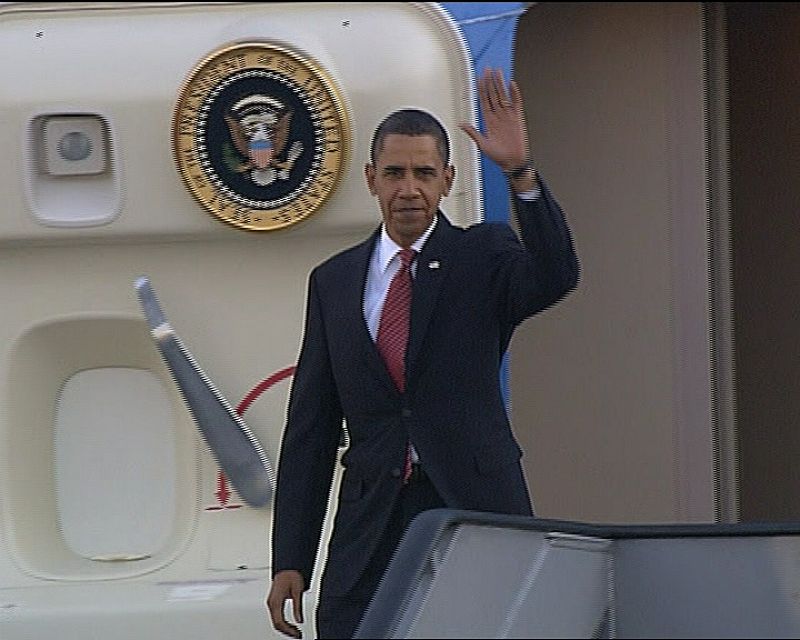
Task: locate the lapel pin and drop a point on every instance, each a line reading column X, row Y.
column 433, row 264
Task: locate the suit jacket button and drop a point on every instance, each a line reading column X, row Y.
column 396, row 473
column 406, row 413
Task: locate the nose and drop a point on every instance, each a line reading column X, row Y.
column 408, row 187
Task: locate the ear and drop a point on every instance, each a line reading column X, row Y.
column 449, row 176
column 369, row 174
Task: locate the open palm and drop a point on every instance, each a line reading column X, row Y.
column 505, row 139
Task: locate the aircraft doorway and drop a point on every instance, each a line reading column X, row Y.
column 662, row 390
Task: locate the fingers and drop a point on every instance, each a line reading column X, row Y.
column 278, row 620
column 500, row 89
column 483, row 93
column 297, row 601
column 285, row 586
column 493, row 93
column 487, row 89
column 516, row 96
column 472, row 132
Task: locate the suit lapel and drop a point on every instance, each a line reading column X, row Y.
column 433, row 265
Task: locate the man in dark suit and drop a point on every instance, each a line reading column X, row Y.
column 404, row 338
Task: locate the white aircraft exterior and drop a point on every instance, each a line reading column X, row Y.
column 118, row 520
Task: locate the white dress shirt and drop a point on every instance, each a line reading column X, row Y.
column 383, row 266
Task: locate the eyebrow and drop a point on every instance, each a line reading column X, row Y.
column 424, row 167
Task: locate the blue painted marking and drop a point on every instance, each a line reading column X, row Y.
column 489, row 29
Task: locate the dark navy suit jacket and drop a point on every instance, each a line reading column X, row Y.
column 471, row 288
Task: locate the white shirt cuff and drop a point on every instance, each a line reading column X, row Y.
column 528, row 196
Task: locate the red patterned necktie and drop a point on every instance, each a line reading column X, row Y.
column 393, row 329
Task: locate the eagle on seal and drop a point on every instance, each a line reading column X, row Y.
column 259, row 129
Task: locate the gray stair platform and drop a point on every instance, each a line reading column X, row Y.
column 460, row 574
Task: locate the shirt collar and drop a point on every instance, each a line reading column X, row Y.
column 388, row 248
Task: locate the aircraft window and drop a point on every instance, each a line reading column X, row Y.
column 115, row 463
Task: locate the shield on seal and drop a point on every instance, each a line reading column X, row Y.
column 260, row 152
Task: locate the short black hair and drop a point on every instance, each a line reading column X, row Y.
column 411, row 122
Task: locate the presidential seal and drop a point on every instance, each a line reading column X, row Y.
column 260, row 136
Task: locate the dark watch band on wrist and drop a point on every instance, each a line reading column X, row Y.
column 519, row 171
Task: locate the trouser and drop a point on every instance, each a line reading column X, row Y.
column 338, row 617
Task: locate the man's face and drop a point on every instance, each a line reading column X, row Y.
column 409, row 178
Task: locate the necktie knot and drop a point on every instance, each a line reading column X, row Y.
column 406, row 257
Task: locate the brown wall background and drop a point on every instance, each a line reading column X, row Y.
column 611, row 388
column 618, row 393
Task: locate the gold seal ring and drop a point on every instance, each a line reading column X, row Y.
column 260, row 135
